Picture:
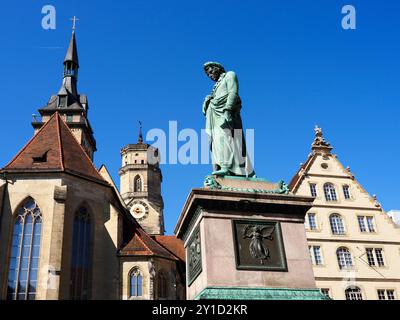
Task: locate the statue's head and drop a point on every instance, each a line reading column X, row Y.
column 213, row 70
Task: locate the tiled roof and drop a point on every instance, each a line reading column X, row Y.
column 142, row 244
column 54, row 149
column 172, row 244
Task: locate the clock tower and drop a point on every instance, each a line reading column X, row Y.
column 140, row 185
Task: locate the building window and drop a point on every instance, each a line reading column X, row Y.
column 161, row 286
column 313, row 189
column 366, row 224
column 361, row 223
column 375, row 256
column 370, row 256
column 326, row 292
column 346, row 192
column 137, row 184
column 312, row 222
column 24, row 260
column 62, row 101
column 315, row 253
column 337, row 225
column 81, row 255
column 370, row 224
column 353, row 293
column 330, row 193
column 379, row 257
column 386, row 294
column 136, row 283
column 344, row 258
column 69, row 118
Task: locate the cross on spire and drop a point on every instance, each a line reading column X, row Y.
column 140, row 138
column 74, row 19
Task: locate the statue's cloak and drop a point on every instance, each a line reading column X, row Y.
column 228, row 147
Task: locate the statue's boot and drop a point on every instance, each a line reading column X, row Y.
column 222, row 172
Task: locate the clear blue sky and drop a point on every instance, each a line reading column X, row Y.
column 143, row 60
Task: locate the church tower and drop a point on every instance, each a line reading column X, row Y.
column 72, row 106
column 140, row 184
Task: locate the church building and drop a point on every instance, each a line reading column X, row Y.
column 65, row 230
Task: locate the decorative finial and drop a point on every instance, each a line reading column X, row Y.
column 319, row 143
column 74, row 19
column 140, row 139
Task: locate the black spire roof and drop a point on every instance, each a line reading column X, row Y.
column 72, row 52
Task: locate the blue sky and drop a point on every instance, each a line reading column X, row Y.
column 142, row 60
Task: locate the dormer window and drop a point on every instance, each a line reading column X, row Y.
column 62, row 101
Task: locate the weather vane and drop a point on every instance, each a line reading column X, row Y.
column 74, row 19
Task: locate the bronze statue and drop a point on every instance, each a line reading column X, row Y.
column 224, row 124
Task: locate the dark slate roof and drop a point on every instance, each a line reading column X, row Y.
column 54, row 149
column 72, row 52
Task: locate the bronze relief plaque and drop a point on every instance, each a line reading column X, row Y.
column 259, row 245
column 194, row 267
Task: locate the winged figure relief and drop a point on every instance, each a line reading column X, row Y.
column 257, row 234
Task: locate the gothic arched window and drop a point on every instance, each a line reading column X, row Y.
column 344, row 258
column 137, row 184
column 330, row 192
column 337, row 225
column 135, row 283
column 353, row 293
column 161, row 286
column 81, row 255
column 24, row 260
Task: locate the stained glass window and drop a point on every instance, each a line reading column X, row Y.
column 24, row 260
column 81, row 255
column 136, row 283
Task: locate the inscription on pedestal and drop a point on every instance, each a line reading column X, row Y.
column 194, row 256
column 259, row 245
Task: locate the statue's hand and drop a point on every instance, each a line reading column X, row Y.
column 228, row 115
column 228, row 120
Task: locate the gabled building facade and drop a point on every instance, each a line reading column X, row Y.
column 354, row 245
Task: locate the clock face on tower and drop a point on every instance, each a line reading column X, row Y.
column 139, row 210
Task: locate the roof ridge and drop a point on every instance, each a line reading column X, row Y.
column 59, row 141
column 83, row 150
column 141, row 240
column 297, row 178
column 28, row 143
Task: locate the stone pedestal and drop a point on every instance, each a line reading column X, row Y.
column 245, row 239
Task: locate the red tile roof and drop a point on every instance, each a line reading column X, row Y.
column 172, row 244
column 142, row 244
column 54, row 149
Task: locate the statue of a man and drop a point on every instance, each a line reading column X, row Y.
column 224, row 124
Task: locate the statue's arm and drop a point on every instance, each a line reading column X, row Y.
column 206, row 103
column 232, row 86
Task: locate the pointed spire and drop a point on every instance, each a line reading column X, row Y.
column 319, row 144
column 72, row 52
column 71, row 66
column 140, row 138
